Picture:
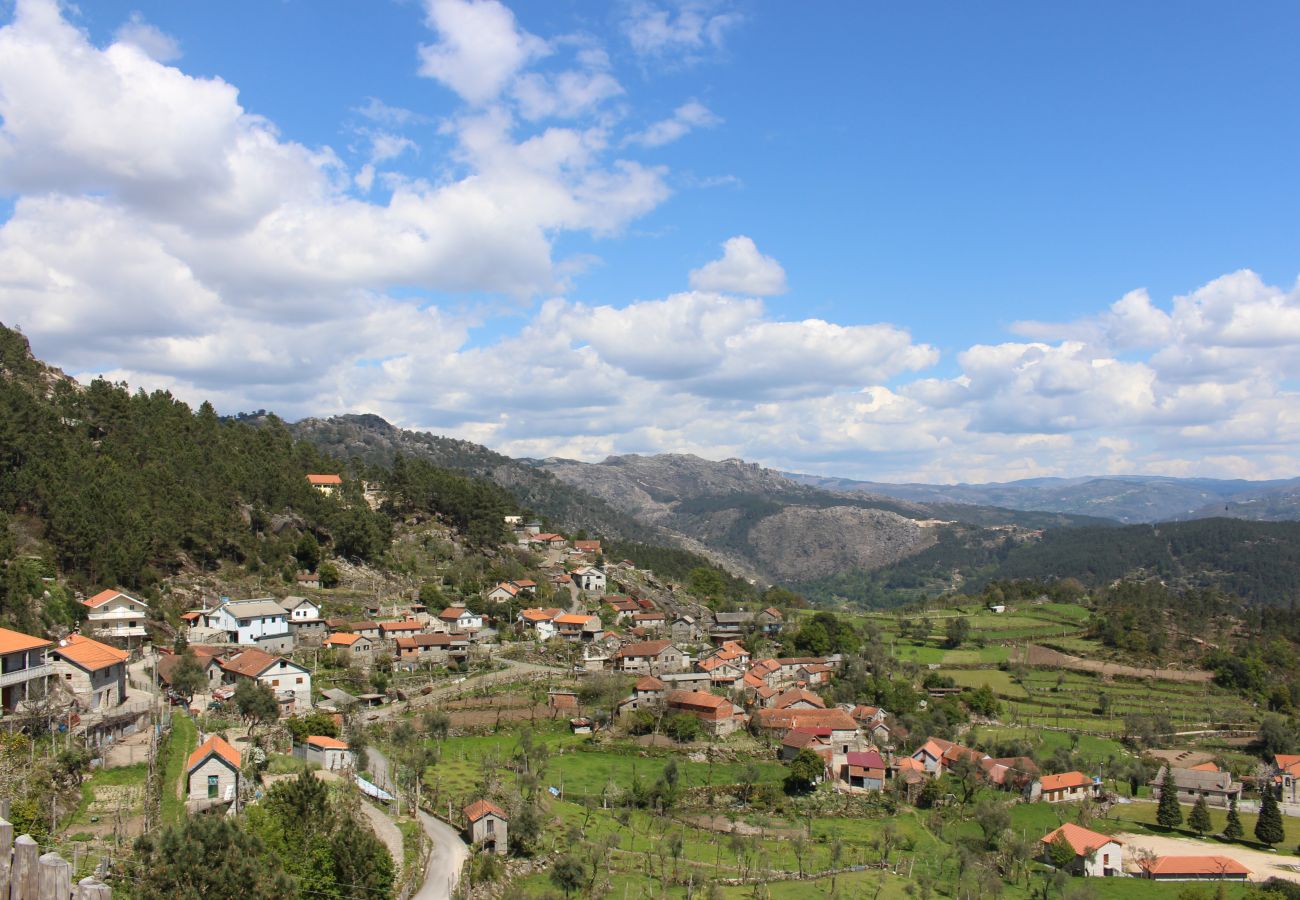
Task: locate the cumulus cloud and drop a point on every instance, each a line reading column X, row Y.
column 688, row 116
column 480, row 47
column 741, row 270
column 683, row 31
column 154, row 42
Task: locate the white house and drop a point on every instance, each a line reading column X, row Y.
column 589, row 579
column 113, row 614
column 503, row 592
column 301, row 609
column 326, row 484
column 1095, row 855
column 540, row 621
column 286, row 678
column 461, row 619
column 261, row 623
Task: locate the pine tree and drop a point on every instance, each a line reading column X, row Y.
column 1169, row 814
column 1199, row 820
column 1233, row 830
column 1269, row 829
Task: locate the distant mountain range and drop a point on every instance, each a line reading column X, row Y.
column 1127, row 499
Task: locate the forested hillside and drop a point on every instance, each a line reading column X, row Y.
column 102, row 487
column 1257, row 561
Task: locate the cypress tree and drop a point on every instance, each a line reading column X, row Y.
column 1169, row 814
column 1269, row 829
column 1233, row 830
column 1199, row 820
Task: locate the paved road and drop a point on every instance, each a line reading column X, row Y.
column 447, row 851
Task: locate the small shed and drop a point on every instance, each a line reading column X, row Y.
column 485, row 825
column 213, row 772
column 330, row 753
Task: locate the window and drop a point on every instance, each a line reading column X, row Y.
column 491, row 825
column 1105, row 860
column 299, row 681
column 213, row 782
column 275, row 682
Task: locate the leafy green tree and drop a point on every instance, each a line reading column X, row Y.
column 1168, row 813
column 568, row 873
column 682, row 727
column 1276, row 735
column 307, row 552
column 1199, row 818
column 1269, row 829
column 803, row 772
column 525, row 830
column 206, row 857
column 431, row 595
column 956, row 632
column 187, row 677
column 362, row 864
column 256, row 702
column 1233, row 830
column 706, row 583
column 329, row 575
column 1060, row 851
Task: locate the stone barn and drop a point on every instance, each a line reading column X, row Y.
column 485, row 825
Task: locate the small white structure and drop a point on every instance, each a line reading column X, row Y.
column 326, row 484
column 589, row 579
column 460, row 619
column 301, row 609
column 1095, row 855
column 329, row 753
column 213, row 773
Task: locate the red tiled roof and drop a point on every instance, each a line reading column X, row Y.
column 326, row 743
column 1065, row 780
column 539, row 615
column 836, row 719
column 89, row 654
column 406, row 625
column 644, row 648
column 324, row 479
column 15, row 641
column 343, row 639
column 251, row 662
column 1196, row 866
column 797, row 695
column 1080, row 839
column 213, row 745
column 480, row 808
column 649, row 683
column 104, row 596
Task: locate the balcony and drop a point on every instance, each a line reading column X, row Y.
column 31, row 673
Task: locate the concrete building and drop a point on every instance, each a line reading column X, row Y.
column 92, row 672
column 290, row 681
column 1216, row 787
column 326, row 484
column 486, row 824
column 1095, row 855
column 260, row 623
column 118, row 617
column 213, row 775
column 1069, row 787
column 329, row 753
column 24, row 669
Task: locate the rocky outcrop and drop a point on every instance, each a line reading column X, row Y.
column 802, row 543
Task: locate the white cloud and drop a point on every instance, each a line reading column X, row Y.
column 480, row 47
column 689, row 115
column 682, row 31
column 154, row 42
column 741, row 270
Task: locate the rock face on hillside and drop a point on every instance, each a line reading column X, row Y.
column 799, row 543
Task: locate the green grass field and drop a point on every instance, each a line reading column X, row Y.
column 181, row 740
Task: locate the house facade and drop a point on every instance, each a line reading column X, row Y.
column 486, row 824
column 718, row 715
column 25, row 671
column 1216, row 787
column 589, row 579
column 213, row 775
column 290, row 681
column 649, row 658
column 329, row 753
column 1069, row 787
column 260, row 623
column 118, row 617
column 92, row 672
column 1095, row 855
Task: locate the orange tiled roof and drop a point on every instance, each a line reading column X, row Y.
column 104, row 596
column 573, row 619
column 480, row 808
column 1196, row 866
column 342, row 639
column 89, row 654
column 326, row 743
column 16, row 641
column 324, row 479
column 1080, row 839
column 1065, row 780
column 539, row 615
column 213, row 744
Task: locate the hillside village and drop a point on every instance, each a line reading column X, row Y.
column 590, row 727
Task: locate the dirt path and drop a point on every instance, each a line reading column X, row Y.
column 1262, row 865
column 1042, row 656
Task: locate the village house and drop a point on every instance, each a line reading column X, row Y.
column 863, row 770
column 1193, row 868
column 209, row 659
column 262, row 623
column 309, row 581
column 460, row 619
column 589, row 579
column 1287, row 777
column 684, row 630
column 113, row 615
column 728, row 625
column 430, row 648
column 578, row 627
column 93, row 673
column 796, row 698
column 301, row 609
column 358, row 647
column 937, row 755
column 590, row 548
column 718, row 715
column 391, row 631
column 843, row 731
column 1016, row 774
column 1068, row 787
column 1216, row 787
column 817, row 740
column 648, row 692
column 770, row 620
column 24, row 669
column 1095, row 855
column 365, row 628
column 649, row 658
column 503, row 592
column 290, row 681
column 623, row 607
column 329, row 753
column 326, row 484
column 213, row 774
column 486, row 825
column 722, row 673
column 541, row 622
column 653, row 621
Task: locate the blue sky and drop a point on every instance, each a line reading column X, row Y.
column 947, row 209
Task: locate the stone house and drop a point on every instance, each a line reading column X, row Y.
column 93, row 673
column 486, row 824
column 212, row 773
column 718, row 715
column 649, row 658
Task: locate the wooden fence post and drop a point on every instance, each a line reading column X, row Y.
column 25, row 878
column 55, row 877
column 6, row 850
column 90, row 888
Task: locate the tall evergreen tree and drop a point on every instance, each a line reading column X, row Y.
column 1199, row 820
column 1269, row 829
column 206, row 857
column 1168, row 813
column 1233, row 830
